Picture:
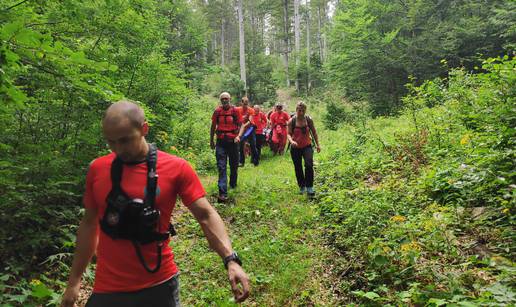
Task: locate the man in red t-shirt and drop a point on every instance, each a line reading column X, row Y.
column 258, row 121
column 246, row 112
column 122, row 276
column 279, row 119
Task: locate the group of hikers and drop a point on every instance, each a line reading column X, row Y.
column 233, row 127
column 131, row 193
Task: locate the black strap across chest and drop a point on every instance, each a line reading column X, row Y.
column 117, row 168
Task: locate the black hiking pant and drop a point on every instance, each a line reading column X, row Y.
column 306, row 178
column 227, row 150
column 251, row 139
column 163, row 295
column 260, row 140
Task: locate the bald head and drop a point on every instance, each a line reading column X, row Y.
column 124, row 129
column 122, row 111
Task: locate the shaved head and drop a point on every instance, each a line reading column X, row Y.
column 124, row 129
column 124, row 110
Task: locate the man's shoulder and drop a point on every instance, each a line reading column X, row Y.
column 169, row 158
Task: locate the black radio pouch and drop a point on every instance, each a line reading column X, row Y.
column 135, row 220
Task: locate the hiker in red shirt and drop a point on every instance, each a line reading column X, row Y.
column 257, row 122
column 300, row 131
column 279, row 119
column 246, row 112
column 129, row 198
column 225, row 123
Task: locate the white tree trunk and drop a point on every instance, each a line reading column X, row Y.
column 319, row 34
column 222, row 42
column 286, row 38
column 242, row 43
column 297, row 39
column 308, row 85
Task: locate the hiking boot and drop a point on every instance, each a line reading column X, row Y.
column 222, row 198
column 302, row 190
column 310, row 191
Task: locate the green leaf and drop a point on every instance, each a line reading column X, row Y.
column 437, row 301
column 40, row 291
column 381, row 260
column 9, row 29
column 371, row 295
column 28, row 37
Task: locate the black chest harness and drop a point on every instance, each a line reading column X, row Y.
column 135, row 219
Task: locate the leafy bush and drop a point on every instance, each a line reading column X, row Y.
column 420, row 207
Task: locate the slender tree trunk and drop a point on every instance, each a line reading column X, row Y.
column 319, row 34
column 242, row 43
column 286, row 39
column 308, row 82
column 297, row 39
column 222, row 42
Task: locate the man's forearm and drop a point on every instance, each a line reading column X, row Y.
column 212, row 226
column 215, row 232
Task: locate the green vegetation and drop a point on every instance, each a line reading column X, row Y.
column 378, row 46
column 273, row 230
column 420, row 207
column 414, row 102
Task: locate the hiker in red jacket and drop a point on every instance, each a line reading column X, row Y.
column 257, row 123
column 279, row 120
column 259, row 120
column 225, row 123
column 246, row 112
column 301, row 129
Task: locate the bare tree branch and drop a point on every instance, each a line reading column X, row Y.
column 13, row 6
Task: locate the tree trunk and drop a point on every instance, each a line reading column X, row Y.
column 222, row 42
column 297, row 39
column 286, row 40
column 308, row 82
column 319, row 34
column 242, row 43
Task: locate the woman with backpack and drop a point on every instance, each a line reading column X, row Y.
column 301, row 130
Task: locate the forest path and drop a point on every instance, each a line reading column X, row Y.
column 272, row 228
column 286, row 97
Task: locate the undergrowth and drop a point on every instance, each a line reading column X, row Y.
column 420, row 208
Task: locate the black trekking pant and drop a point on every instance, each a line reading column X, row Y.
column 251, row 139
column 260, row 140
column 162, row 295
column 305, row 179
column 224, row 151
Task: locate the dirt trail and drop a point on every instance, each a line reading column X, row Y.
column 285, row 97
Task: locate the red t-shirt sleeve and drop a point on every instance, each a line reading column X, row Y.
column 190, row 188
column 88, row 200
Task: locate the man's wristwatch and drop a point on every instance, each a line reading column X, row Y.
column 232, row 257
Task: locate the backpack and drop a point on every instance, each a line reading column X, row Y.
column 235, row 120
column 309, row 122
